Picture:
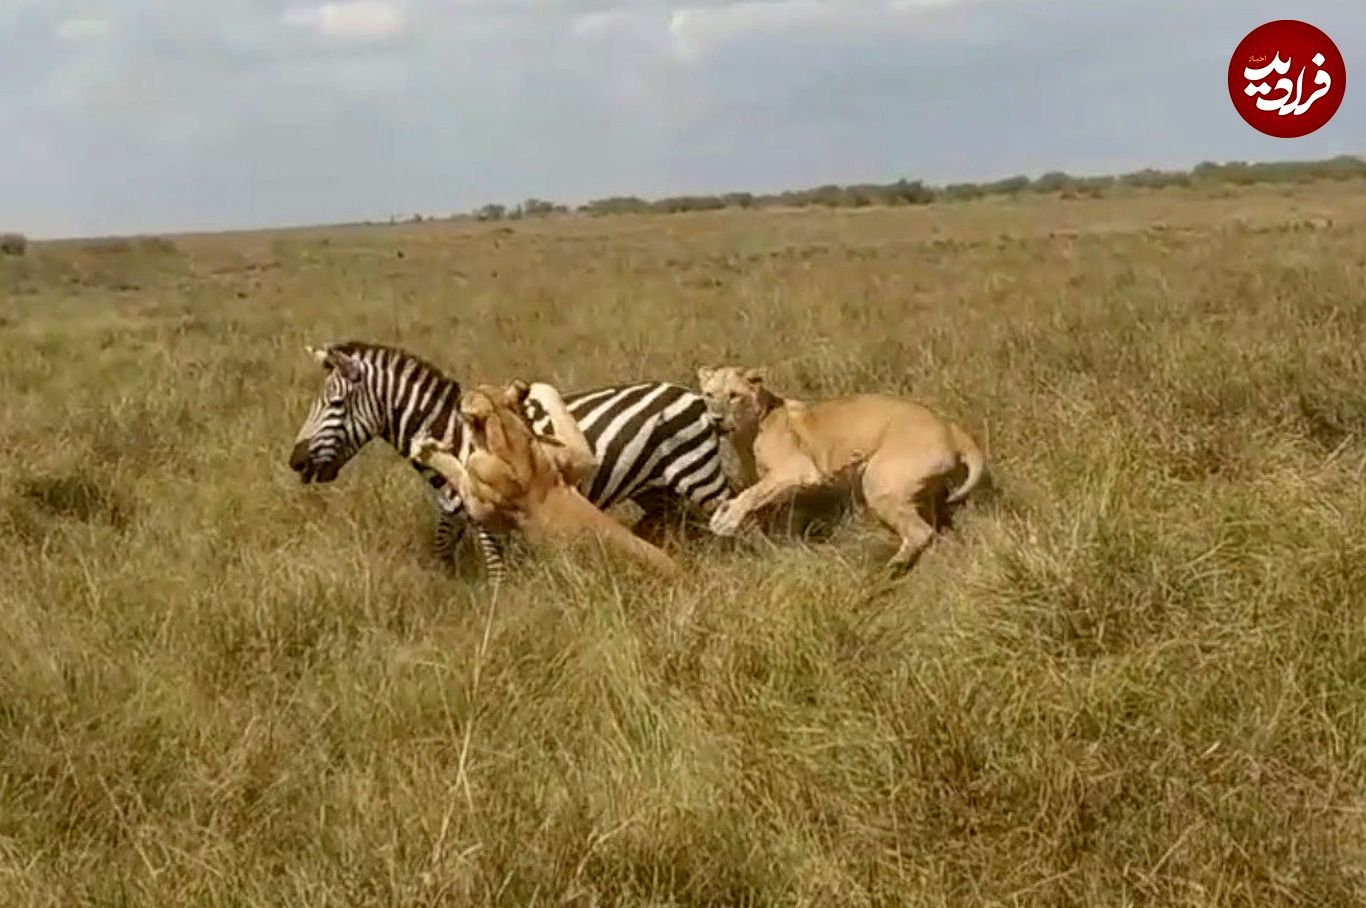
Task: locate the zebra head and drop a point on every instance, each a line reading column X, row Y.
column 345, row 415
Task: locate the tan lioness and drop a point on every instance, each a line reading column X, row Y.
column 512, row 478
column 902, row 456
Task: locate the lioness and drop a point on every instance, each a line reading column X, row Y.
column 901, row 454
column 515, row 479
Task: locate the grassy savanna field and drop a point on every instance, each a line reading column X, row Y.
column 1134, row 674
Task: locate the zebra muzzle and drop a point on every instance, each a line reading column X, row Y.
column 309, row 470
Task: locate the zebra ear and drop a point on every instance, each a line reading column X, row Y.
column 331, row 358
column 346, row 365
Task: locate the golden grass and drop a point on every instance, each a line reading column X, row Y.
column 1135, row 674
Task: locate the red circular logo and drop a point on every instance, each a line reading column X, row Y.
column 1287, row 78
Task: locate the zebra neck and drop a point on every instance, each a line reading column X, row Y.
column 430, row 410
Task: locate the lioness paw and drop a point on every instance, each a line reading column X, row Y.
column 423, row 447
column 726, row 520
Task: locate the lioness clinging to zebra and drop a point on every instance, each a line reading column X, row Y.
column 903, row 456
column 512, row 478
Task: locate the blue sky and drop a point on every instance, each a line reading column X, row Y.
column 159, row 115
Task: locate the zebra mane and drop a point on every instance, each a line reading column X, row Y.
column 391, row 356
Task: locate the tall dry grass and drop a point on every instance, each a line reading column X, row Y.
column 1135, row 674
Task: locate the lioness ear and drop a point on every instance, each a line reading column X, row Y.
column 704, row 374
column 318, row 353
column 754, row 377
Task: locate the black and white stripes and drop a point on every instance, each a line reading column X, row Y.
column 652, row 435
column 655, row 442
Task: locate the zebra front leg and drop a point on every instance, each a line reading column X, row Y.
column 451, row 525
column 492, row 551
column 429, row 454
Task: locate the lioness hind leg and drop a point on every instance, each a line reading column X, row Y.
column 896, row 491
column 568, row 514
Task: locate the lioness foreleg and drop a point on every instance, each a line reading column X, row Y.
column 479, row 495
column 429, row 452
column 774, row 487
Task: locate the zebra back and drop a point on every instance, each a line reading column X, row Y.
column 649, row 435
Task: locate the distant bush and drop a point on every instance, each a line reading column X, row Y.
column 1053, row 181
column 911, row 192
column 13, row 244
column 538, row 208
column 158, row 245
column 682, row 203
column 1008, row 186
column 829, row 195
column 961, row 192
column 491, row 213
column 616, row 205
column 1155, row 179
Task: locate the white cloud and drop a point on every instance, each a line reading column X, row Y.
column 600, row 22
column 913, row 5
column 352, row 78
column 699, row 29
column 354, row 20
column 82, row 29
column 628, row 55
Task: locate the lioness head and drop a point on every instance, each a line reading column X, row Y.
column 497, row 417
column 733, row 395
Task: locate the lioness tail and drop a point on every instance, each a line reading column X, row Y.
column 973, row 457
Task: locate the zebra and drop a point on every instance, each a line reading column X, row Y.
column 656, row 443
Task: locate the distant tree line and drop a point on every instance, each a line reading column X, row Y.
column 531, row 208
column 915, row 192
